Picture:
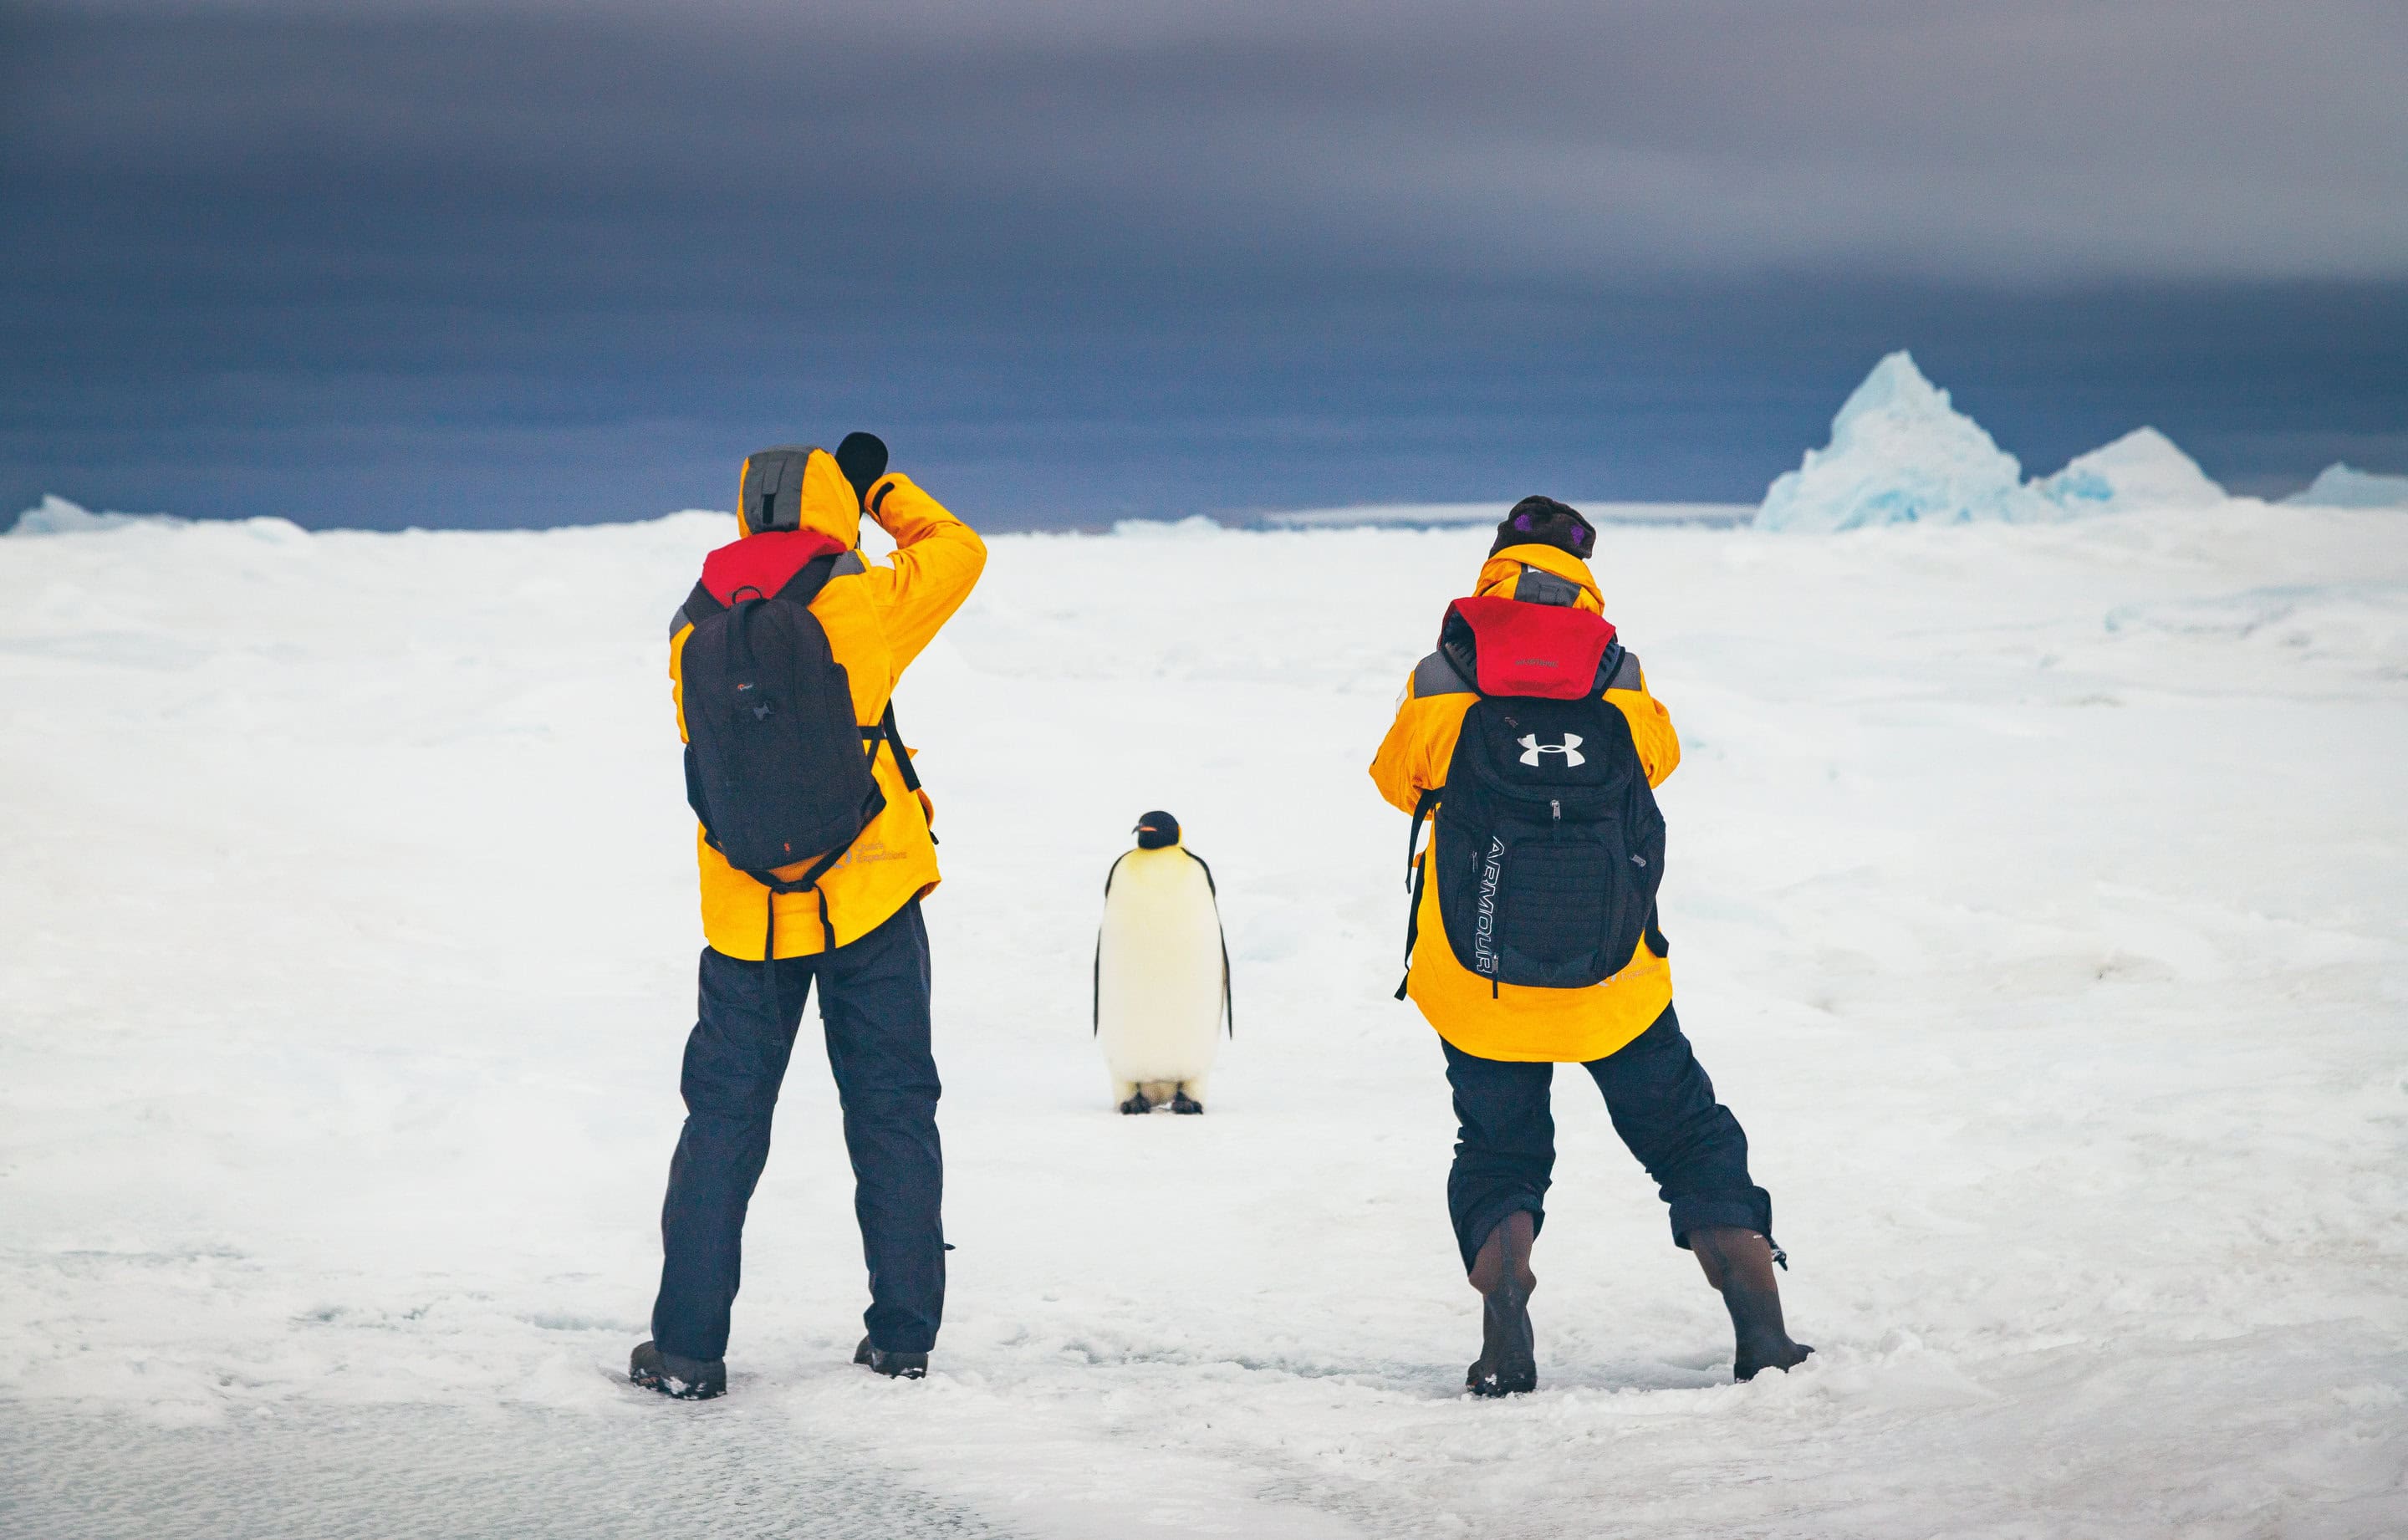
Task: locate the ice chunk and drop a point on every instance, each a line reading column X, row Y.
column 1195, row 526
column 2340, row 486
column 57, row 516
column 1899, row 453
column 2143, row 469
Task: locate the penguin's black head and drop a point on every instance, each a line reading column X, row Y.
column 1156, row 829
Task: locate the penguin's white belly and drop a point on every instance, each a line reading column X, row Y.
column 1158, row 970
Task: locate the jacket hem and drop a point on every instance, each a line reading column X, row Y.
column 1542, row 1047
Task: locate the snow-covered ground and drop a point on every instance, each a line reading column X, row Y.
column 2037, row 902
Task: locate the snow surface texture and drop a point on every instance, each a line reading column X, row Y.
column 1900, row 453
column 2036, row 892
column 2339, row 486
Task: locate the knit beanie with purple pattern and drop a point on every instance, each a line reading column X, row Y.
column 1544, row 521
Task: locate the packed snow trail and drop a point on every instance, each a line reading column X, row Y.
column 2035, row 898
column 404, row 1472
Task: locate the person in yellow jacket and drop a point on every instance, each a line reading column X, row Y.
column 1502, row 1039
column 853, row 928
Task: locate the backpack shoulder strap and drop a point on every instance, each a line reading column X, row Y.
column 1435, row 676
column 1414, row 864
column 805, row 585
column 1618, row 669
column 887, row 732
column 699, row 607
column 1459, row 648
column 894, row 736
column 1422, row 810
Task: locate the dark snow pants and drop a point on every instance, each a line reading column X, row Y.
column 1662, row 1104
column 874, row 1004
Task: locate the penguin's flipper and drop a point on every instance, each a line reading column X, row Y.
column 1096, row 1006
column 1228, row 1006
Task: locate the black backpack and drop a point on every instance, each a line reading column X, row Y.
column 1549, row 845
column 774, row 760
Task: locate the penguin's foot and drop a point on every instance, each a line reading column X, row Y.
column 1182, row 1103
column 1136, row 1103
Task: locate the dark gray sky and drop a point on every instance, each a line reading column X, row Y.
column 531, row 263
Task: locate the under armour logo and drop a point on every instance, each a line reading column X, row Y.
column 1568, row 749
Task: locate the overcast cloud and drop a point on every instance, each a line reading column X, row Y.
column 242, row 239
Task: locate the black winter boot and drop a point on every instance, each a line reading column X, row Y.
column 893, row 1366
column 672, row 1374
column 1508, row 1362
column 1739, row 1263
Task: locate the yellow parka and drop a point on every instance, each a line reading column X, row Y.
column 1517, row 1022
column 878, row 617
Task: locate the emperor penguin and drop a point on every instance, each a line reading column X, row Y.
column 1162, row 972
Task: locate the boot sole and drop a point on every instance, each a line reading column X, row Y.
column 672, row 1388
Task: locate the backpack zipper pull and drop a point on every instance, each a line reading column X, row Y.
column 1556, row 802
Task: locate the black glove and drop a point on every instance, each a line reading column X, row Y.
column 862, row 457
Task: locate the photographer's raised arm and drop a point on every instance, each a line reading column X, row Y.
column 936, row 561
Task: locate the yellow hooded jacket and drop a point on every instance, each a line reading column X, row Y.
column 1516, row 1023
column 878, row 617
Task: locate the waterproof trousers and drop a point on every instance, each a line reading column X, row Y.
column 1662, row 1104
column 874, row 1004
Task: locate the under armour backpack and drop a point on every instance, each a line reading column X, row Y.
column 1549, row 846
column 774, row 760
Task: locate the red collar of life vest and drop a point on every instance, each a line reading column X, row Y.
column 763, row 562
column 1548, row 651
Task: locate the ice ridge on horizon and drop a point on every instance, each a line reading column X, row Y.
column 2344, row 486
column 1901, row 452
